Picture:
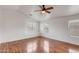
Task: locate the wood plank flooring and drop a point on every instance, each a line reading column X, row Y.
column 38, row 45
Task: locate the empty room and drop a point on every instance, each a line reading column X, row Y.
column 39, row 28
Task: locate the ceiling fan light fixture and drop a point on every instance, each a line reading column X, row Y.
column 43, row 12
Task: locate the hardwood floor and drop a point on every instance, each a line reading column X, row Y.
column 38, row 45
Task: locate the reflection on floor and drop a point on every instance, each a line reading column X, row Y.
column 38, row 45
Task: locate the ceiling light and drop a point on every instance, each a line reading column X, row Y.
column 43, row 12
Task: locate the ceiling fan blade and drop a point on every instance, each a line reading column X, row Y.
column 37, row 10
column 47, row 11
column 49, row 8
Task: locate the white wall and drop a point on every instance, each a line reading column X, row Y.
column 13, row 26
column 58, row 29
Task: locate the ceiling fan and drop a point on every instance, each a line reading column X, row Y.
column 44, row 9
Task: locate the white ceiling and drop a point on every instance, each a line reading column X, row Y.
column 59, row 10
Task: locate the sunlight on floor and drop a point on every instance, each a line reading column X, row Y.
column 73, row 51
column 46, row 46
column 31, row 47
